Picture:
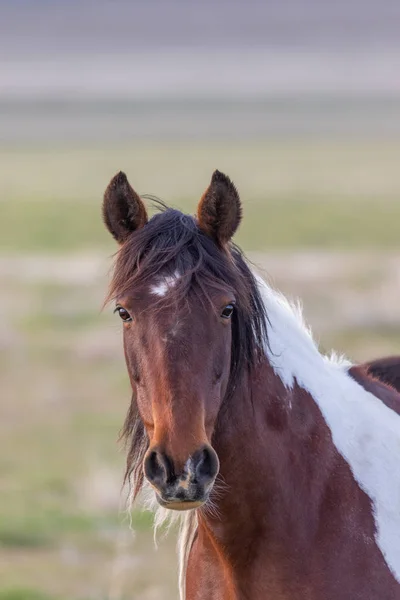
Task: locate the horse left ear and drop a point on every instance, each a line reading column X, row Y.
column 219, row 212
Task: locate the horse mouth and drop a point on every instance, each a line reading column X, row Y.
column 180, row 505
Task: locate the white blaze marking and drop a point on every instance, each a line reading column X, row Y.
column 165, row 283
column 364, row 430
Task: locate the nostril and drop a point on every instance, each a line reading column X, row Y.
column 207, row 465
column 157, row 468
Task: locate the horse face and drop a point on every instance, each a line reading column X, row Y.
column 178, row 358
column 177, row 346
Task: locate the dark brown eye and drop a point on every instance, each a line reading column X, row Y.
column 227, row 311
column 123, row 313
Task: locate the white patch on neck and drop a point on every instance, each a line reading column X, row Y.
column 165, row 284
column 364, row 430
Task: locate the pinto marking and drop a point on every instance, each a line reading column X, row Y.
column 364, row 430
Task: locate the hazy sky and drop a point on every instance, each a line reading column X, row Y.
column 220, row 47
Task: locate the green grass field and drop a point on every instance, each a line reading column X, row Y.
column 321, row 217
column 295, row 193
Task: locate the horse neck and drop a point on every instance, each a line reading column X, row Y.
column 268, row 441
column 272, row 441
column 267, row 437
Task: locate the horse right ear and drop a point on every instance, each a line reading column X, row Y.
column 123, row 209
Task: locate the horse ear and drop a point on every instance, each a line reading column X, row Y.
column 219, row 212
column 123, row 209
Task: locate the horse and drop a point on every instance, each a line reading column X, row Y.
column 280, row 464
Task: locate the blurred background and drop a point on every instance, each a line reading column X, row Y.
column 298, row 101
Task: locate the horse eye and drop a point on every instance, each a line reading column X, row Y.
column 123, row 313
column 227, row 312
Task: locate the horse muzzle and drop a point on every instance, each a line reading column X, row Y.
column 188, row 489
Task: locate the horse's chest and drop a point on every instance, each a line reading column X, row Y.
column 209, row 577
